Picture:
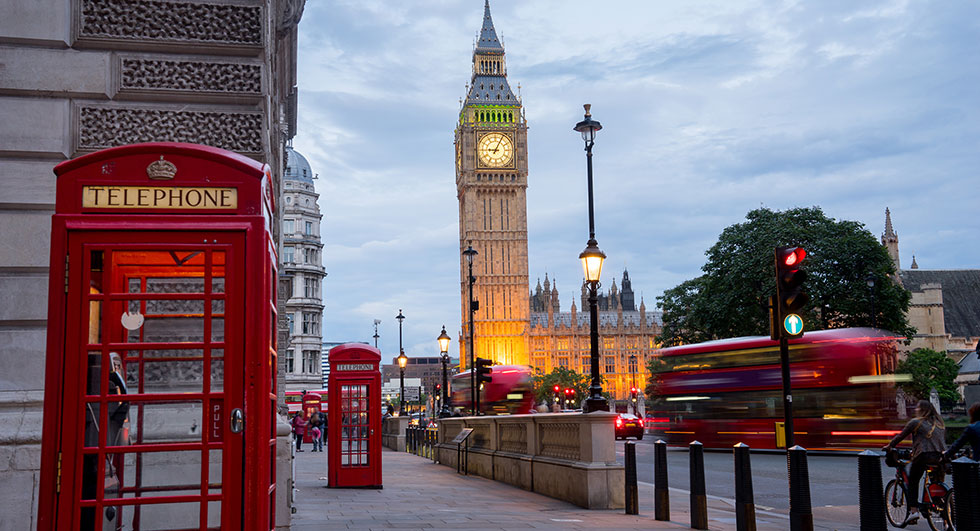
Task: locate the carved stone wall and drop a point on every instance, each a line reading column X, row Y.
column 103, row 127
column 513, row 438
column 157, row 20
column 190, row 76
column 560, row 440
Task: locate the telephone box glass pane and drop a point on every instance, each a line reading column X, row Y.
column 163, row 306
column 354, row 426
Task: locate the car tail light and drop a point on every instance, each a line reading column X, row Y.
column 619, row 422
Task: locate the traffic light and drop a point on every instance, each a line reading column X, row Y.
column 557, row 393
column 790, row 298
column 634, row 392
column 483, row 371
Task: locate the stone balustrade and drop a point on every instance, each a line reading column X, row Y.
column 568, row 456
column 393, row 432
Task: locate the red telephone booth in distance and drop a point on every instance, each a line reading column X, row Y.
column 354, row 421
column 311, row 405
column 156, row 252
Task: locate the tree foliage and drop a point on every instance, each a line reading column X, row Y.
column 731, row 298
column 655, row 366
column 929, row 369
column 544, row 384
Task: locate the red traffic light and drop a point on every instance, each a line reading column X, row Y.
column 567, row 390
column 557, row 388
column 793, row 256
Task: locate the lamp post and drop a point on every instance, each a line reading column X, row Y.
column 402, row 361
column 376, row 336
column 634, row 395
column 592, row 259
column 871, row 286
column 444, row 354
column 471, row 253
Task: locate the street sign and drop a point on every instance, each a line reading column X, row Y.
column 793, row 324
column 412, row 394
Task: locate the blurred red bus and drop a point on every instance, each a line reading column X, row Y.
column 729, row 391
column 510, row 393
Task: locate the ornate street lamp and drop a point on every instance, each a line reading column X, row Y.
column 443, row 340
column 376, row 336
column 871, row 285
column 592, row 259
column 634, row 393
column 471, row 253
column 402, row 361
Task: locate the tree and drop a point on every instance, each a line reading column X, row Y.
column 655, row 367
column 929, row 369
column 544, row 384
column 731, row 298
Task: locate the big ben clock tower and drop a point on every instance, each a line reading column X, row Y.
column 491, row 184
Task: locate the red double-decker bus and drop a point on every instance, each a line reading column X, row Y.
column 510, row 392
column 729, row 391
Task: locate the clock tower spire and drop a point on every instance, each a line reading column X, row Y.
column 491, row 185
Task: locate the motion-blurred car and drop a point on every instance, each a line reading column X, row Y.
column 628, row 425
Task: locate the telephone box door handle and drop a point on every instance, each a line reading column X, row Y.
column 237, row 420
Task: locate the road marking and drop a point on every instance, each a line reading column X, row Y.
column 728, row 501
column 565, row 520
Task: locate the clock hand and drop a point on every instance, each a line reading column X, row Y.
column 499, row 140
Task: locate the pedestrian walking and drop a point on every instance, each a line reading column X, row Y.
column 299, row 430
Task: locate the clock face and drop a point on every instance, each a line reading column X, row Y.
column 495, row 150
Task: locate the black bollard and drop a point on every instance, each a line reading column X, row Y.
column 699, row 498
column 966, row 485
column 632, row 491
column 800, row 512
column 661, row 496
column 744, row 498
column 871, row 497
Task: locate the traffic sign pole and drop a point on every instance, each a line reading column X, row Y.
column 787, row 390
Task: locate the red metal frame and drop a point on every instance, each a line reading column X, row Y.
column 354, row 392
column 244, row 236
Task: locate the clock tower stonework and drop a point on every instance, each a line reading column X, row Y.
column 491, row 185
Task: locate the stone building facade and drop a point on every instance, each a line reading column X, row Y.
column 945, row 302
column 302, row 265
column 562, row 339
column 78, row 76
column 491, row 185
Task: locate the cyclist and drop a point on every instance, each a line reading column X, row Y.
column 970, row 435
column 928, row 444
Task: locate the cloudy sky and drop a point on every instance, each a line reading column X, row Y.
column 709, row 109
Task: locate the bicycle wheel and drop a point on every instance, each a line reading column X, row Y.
column 895, row 507
column 950, row 512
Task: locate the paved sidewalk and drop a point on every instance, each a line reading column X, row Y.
column 419, row 494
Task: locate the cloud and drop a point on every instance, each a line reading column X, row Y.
column 710, row 109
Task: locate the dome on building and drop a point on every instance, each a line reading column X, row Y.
column 297, row 167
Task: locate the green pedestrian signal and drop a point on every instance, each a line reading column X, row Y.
column 793, row 324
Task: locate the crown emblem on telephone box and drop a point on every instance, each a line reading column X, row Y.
column 161, row 170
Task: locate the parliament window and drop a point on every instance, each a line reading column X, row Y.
column 610, row 364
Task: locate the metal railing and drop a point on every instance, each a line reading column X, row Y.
column 421, row 441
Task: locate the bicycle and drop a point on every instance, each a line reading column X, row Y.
column 937, row 502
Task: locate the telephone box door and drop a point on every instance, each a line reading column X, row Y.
column 153, row 393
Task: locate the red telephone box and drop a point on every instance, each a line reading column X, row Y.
column 311, row 405
column 161, row 356
column 354, row 416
